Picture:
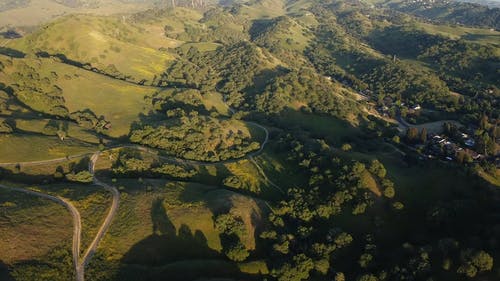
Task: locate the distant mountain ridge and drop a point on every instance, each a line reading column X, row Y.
column 489, row 3
column 461, row 13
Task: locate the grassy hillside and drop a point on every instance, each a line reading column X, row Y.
column 20, row 148
column 91, row 201
column 84, row 89
column 479, row 35
column 31, row 227
column 101, row 42
column 73, row 131
column 161, row 223
column 337, row 193
column 31, row 13
column 260, row 9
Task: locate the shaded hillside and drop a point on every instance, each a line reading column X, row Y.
column 461, row 13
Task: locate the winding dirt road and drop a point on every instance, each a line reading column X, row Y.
column 81, row 263
column 77, row 222
column 107, row 221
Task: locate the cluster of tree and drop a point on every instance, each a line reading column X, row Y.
column 319, row 94
column 452, row 12
column 88, row 119
column 266, row 33
column 303, row 236
column 467, row 67
column 43, row 95
column 306, row 233
column 217, row 25
column 131, row 163
column 231, row 229
column 191, row 71
column 236, row 70
column 82, row 177
column 403, row 82
column 179, row 102
column 37, row 92
column 330, row 44
column 487, row 135
column 413, row 135
column 190, row 131
column 175, row 171
column 384, row 77
column 241, row 72
column 457, row 65
column 355, row 21
column 405, row 41
column 196, row 137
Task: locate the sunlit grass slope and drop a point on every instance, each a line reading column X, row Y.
column 107, row 43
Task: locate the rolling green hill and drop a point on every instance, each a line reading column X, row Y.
column 102, row 43
column 279, row 140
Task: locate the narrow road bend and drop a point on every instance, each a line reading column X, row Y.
column 77, row 222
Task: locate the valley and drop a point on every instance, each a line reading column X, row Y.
column 250, row 140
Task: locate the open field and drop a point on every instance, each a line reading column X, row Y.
column 202, row 47
column 102, row 42
column 264, row 9
column 157, row 220
column 30, row 227
column 289, row 35
column 20, row 148
column 334, row 129
column 119, row 102
column 73, row 131
column 91, row 201
column 279, row 171
column 432, row 127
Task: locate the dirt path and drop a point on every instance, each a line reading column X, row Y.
column 80, row 264
column 45, row 162
column 77, row 222
column 148, row 150
column 89, row 253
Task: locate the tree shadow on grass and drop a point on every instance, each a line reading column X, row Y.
column 12, row 53
column 4, row 272
column 174, row 254
column 168, row 244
